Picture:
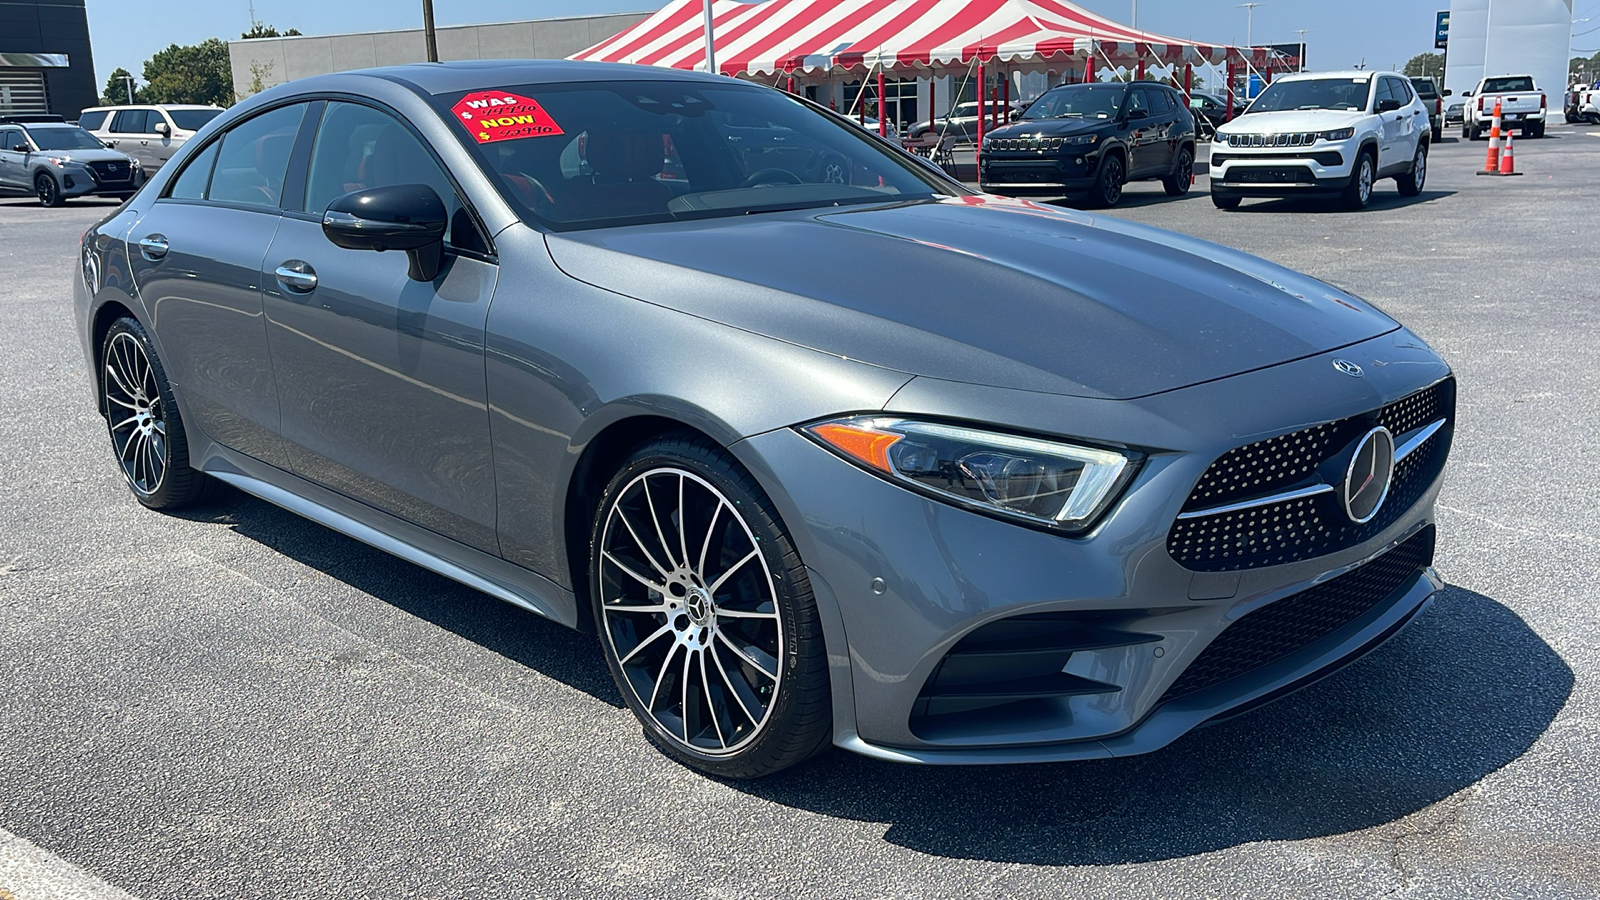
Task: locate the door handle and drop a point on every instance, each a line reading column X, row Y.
column 154, row 247
column 297, row 276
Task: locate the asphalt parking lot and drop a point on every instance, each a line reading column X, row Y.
column 238, row 703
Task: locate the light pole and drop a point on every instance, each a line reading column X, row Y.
column 129, row 80
column 427, row 31
column 1249, row 23
column 711, row 42
column 1135, row 22
column 1302, row 32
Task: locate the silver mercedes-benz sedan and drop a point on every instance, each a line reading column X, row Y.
column 594, row 340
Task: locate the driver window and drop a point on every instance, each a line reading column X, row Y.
column 1384, row 93
column 1138, row 102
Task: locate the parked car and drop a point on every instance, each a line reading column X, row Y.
column 1155, row 483
column 1428, row 92
column 1454, row 110
column 1090, row 140
column 961, row 122
column 1324, row 133
column 150, row 134
column 1588, row 105
column 871, row 125
column 44, row 156
column 1522, row 105
column 1214, row 107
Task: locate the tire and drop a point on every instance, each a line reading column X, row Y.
column 48, row 192
column 1107, row 189
column 142, row 417
column 1538, row 130
column 1476, row 133
column 1413, row 181
column 1221, row 202
column 1438, row 134
column 1467, row 135
column 727, row 674
column 1182, row 178
column 1358, row 194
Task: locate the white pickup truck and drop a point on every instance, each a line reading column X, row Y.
column 1589, row 104
column 1522, row 105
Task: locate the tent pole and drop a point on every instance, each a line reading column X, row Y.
column 1138, row 50
column 1227, row 95
column 1188, row 80
column 1005, row 98
column 1088, row 68
column 883, row 107
column 977, row 154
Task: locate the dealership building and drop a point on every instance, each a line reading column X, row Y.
column 263, row 62
column 45, row 62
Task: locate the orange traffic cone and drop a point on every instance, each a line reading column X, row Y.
column 1508, row 165
column 1491, row 165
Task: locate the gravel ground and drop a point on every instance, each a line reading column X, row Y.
column 237, row 703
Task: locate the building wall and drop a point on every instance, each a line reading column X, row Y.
column 53, row 26
column 261, row 63
column 1509, row 37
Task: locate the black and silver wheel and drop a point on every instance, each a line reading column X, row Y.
column 146, row 431
column 1412, row 182
column 706, row 615
column 1182, row 178
column 48, row 192
column 1107, row 189
column 1358, row 194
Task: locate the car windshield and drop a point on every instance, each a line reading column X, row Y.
column 587, row 155
column 192, row 119
column 1349, row 94
column 1077, row 101
column 63, row 137
column 1503, row 85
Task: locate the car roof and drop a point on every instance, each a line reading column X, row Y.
column 485, row 74
column 1351, row 74
column 122, row 106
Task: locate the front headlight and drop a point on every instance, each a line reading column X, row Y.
column 1059, row 485
column 1338, row 134
column 59, row 162
column 1080, row 140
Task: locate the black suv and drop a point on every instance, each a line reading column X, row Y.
column 1091, row 139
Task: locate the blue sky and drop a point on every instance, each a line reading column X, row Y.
column 1340, row 34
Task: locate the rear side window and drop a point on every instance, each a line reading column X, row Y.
column 91, row 121
column 1160, row 102
column 192, row 182
column 131, row 121
column 1400, row 89
column 192, row 119
column 254, row 158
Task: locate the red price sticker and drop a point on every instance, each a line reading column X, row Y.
column 502, row 116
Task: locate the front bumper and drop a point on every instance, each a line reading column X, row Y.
column 1024, row 174
column 947, row 573
column 1323, row 168
column 81, row 181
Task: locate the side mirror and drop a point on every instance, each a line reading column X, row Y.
column 20, row 148
column 406, row 217
column 107, row 144
column 1389, row 105
column 1137, row 114
column 1466, row 93
column 163, row 129
column 1448, row 92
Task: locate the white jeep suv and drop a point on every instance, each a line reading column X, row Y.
column 1323, row 133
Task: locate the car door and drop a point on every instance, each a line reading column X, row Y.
column 1390, row 123
column 1143, row 154
column 1164, row 113
column 130, row 134
column 196, row 256
column 12, row 167
column 1413, row 122
column 382, row 377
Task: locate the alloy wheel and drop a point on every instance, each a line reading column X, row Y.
column 690, row 609
column 45, row 187
column 136, row 413
column 1113, row 182
column 1364, row 187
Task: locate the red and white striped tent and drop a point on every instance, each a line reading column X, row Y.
column 906, row 37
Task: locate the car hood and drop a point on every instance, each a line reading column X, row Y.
column 87, row 156
column 1051, row 127
column 1287, row 120
column 982, row 290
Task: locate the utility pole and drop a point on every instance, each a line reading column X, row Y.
column 129, row 80
column 711, row 42
column 1135, row 22
column 427, row 31
column 1302, row 32
column 1249, row 23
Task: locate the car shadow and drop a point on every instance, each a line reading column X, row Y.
column 1381, row 200
column 1467, row 689
column 520, row 636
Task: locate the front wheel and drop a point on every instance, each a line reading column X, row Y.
column 1178, row 183
column 1107, row 189
column 1412, row 182
column 48, row 192
column 705, row 613
column 1358, row 194
column 147, row 433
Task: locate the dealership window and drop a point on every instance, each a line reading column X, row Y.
column 23, row 91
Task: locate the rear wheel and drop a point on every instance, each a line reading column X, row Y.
column 1538, row 130
column 1412, row 182
column 48, row 192
column 706, row 615
column 1358, row 194
column 1107, row 189
column 1177, row 184
column 147, row 433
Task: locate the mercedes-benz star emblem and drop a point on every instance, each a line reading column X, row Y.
column 1366, row 483
column 1348, row 367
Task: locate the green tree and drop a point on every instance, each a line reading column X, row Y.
column 116, row 92
column 200, row 73
column 1584, row 71
column 1426, row 64
column 263, row 30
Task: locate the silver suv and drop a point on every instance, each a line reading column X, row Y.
column 150, row 134
column 44, row 156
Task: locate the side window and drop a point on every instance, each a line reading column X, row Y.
column 92, row 121
column 130, row 121
column 254, row 157
column 1160, row 103
column 10, row 138
column 192, row 182
column 1138, row 101
column 1384, row 93
column 358, row 148
column 1401, row 89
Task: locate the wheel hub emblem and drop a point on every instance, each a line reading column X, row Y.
column 1371, row 471
column 698, row 605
